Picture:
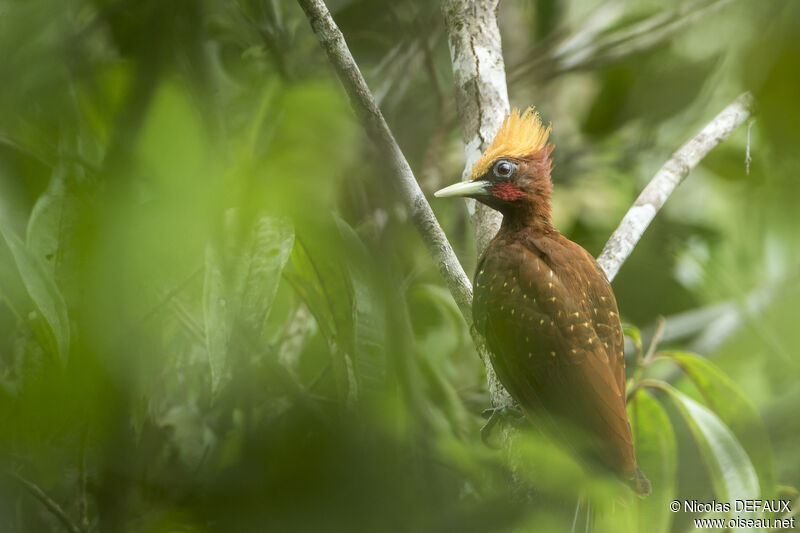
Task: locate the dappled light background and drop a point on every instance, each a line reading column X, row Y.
column 217, row 316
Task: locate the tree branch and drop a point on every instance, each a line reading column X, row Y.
column 484, row 123
column 482, row 101
column 481, row 93
column 363, row 103
column 655, row 194
column 47, row 501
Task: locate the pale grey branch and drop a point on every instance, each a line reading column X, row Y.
column 365, row 106
column 482, row 100
column 655, row 194
column 481, row 94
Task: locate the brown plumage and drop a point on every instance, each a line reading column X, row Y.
column 546, row 308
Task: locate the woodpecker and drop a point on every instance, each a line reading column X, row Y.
column 546, row 308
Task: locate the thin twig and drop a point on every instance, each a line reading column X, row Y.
column 651, row 350
column 50, row 504
column 655, row 194
column 747, row 158
column 598, row 42
column 364, row 104
column 83, row 502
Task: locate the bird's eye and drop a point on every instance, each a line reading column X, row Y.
column 504, row 168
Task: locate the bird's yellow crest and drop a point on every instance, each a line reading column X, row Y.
column 520, row 135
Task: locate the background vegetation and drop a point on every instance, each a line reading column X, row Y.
column 217, row 317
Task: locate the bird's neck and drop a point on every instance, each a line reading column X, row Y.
column 532, row 214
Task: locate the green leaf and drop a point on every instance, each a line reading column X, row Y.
column 12, row 288
column 732, row 474
column 723, row 397
column 238, row 293
column 51, row 228
column 633, row 332
column 317, row 274
column 656, row 453
column 369, row 317
column 218, row 317
column 40, row 290
column 262, row 261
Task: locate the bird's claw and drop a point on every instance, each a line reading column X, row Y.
column 494, row 415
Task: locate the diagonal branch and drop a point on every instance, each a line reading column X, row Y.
column 50, row 504
column 367, row 109
column 655, row 194
column 485, row 125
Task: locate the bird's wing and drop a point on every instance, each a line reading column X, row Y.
column 549, row 357
column 605, row 313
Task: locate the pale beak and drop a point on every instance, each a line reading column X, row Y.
column 465, row 188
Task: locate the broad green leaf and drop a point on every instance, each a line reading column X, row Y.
column 435, row 347
column 262, row 261
column 44, row 230
column 39, row 287
column 445, row 398
column 218, row 317
column 732, row 474
column 12, row 288
column 721, row 394
column 369, row 317
column 656, row 452
column 317, row 274
column 51, row 229
column 239, row 290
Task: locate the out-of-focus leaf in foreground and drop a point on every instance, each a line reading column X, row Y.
column 369, row 320
column 40, row 287
column 731, row 472
column 734, row 409
column 656, row 452
column 240, row 285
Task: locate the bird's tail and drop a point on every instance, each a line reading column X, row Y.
column 640, row 484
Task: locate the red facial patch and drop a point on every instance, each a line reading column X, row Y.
column 507, row 191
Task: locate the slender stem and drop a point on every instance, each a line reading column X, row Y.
column 651, row 350
column 367, row 109
column 47, row 501
column 83, row 502
column 655, row 194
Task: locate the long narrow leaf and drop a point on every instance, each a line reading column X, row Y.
column 42, row 291
column 369, row 320
column 656, row 452
column 218, row 319
column 260, row 265
column 732, row 474
column 723, row 397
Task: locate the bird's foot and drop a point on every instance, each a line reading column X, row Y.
column 494, row 414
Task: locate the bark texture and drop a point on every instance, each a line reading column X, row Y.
column 482, row 100
column 481, row 93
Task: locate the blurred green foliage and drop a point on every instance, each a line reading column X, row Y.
column 216, row 317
